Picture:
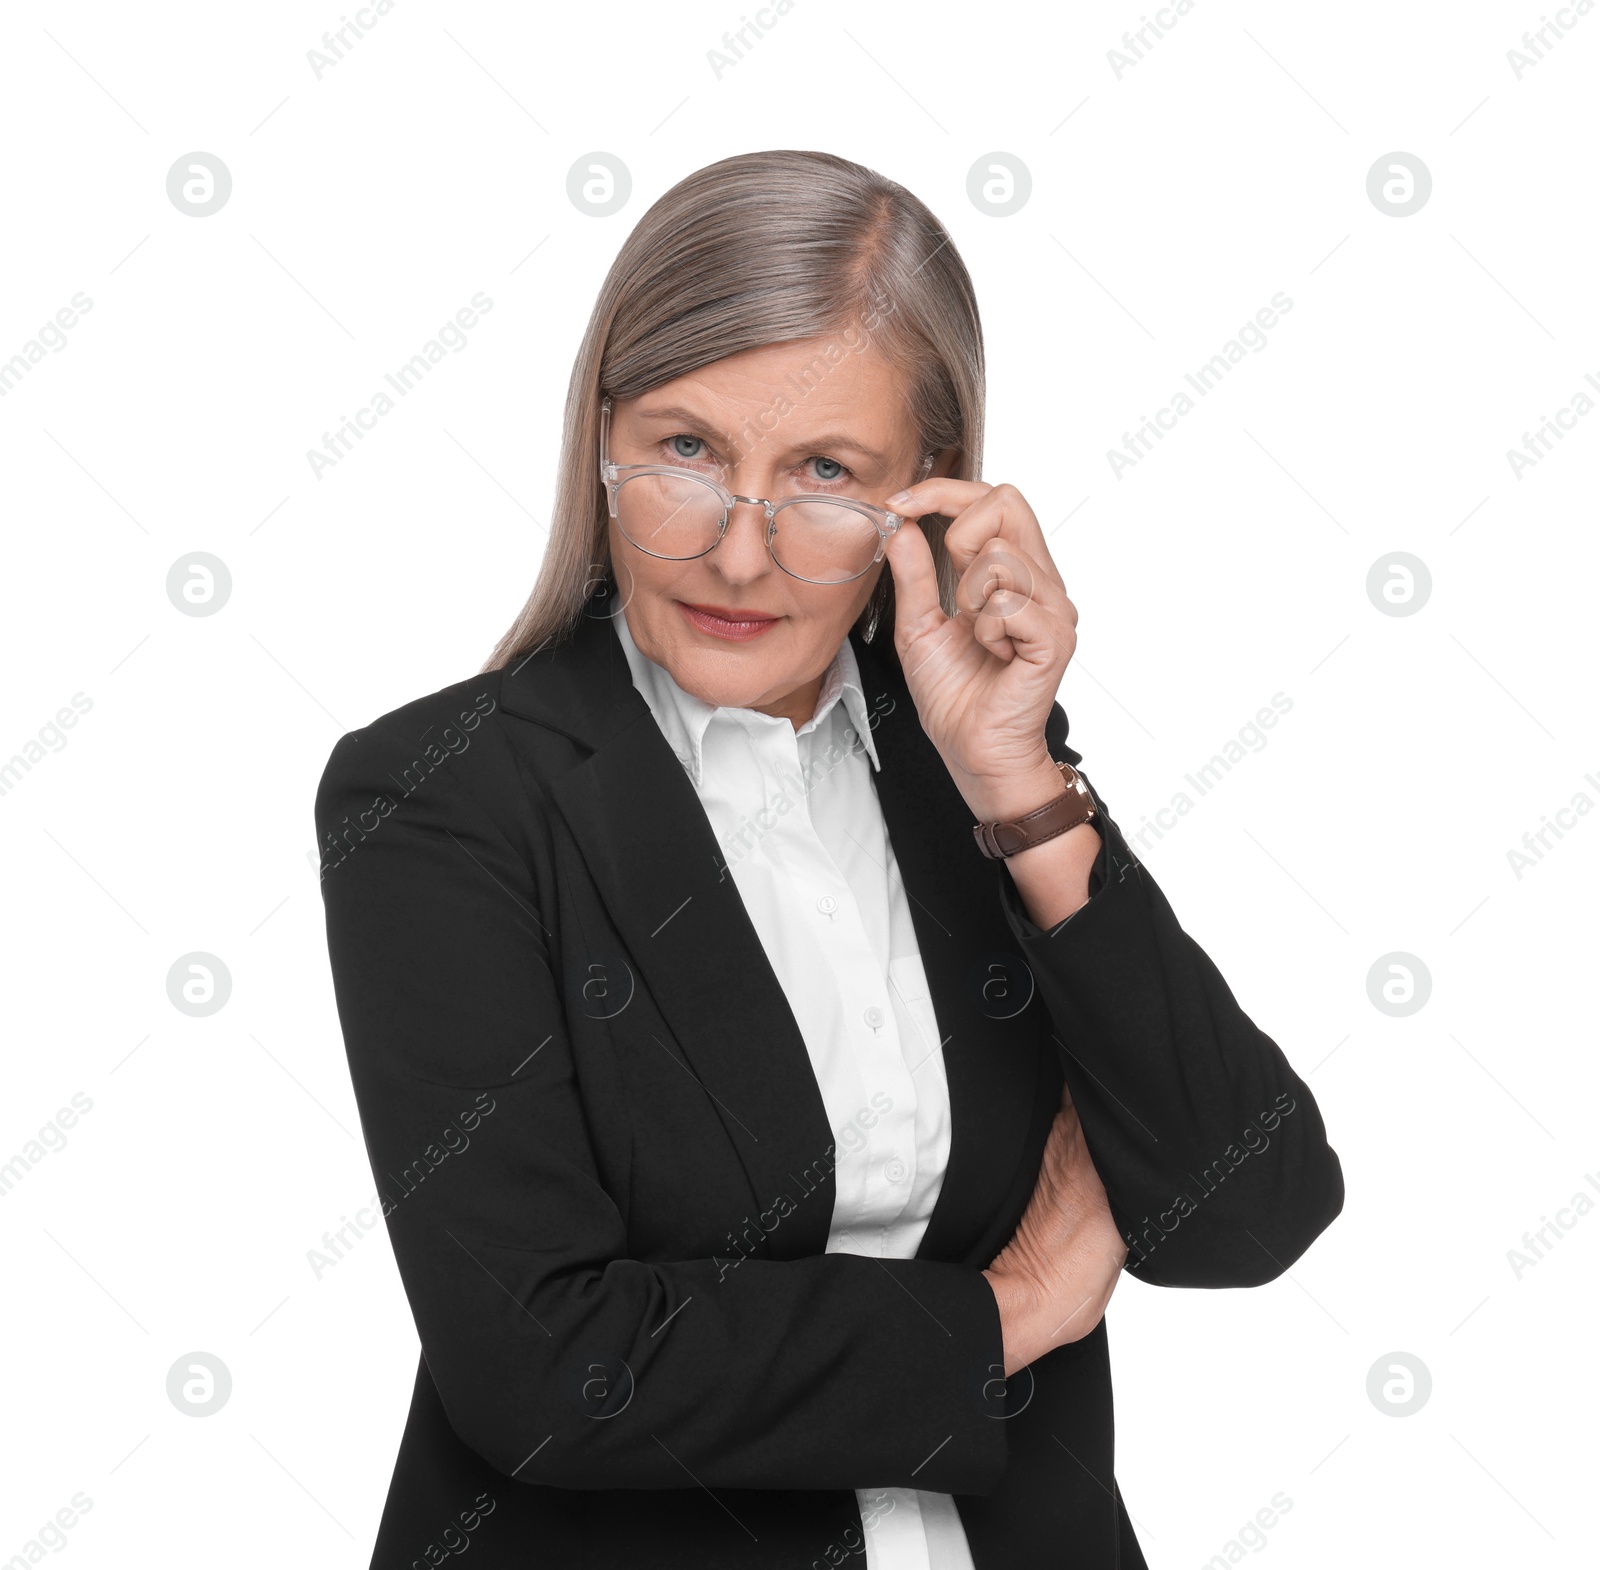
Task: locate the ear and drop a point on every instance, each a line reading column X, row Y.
column 944, row 464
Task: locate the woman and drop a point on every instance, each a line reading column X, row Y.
column 768, row 1048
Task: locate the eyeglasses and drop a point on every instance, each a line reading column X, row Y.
column 678, row 514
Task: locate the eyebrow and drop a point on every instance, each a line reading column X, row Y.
column 836, row 440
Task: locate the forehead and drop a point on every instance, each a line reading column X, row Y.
column 839, row 386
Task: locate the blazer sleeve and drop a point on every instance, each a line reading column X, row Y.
column 558, row 1358
column 1215, row 1161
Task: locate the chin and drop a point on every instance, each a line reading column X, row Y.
column 733, row 679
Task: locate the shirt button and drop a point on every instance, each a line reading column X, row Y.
column 827, row 904
column 895, row 1171
column 873, row 1016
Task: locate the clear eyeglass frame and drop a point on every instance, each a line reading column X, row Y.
column 615, row 475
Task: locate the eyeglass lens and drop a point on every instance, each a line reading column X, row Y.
column 676, row 516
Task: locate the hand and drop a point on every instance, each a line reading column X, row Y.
column 984, row 679
column 1052, row 1281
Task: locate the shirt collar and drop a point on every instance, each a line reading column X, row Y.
column 684, row 718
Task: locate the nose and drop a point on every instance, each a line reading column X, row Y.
column 741, row 555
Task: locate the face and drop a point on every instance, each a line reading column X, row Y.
column 731, row 626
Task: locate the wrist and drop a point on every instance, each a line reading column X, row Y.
column 1023, row 1336
column 1015, row 793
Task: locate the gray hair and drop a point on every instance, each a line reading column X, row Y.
column 754, row 250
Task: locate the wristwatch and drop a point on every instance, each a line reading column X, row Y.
column 1075, row 805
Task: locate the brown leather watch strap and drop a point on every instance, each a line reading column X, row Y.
column 1074, row 806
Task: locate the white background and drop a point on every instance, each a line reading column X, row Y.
column 1167, row 207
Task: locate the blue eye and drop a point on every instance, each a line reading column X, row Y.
column 823, row 475
column 679, row 443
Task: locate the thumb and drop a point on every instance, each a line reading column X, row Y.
column 916, row 582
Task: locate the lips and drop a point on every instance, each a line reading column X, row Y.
column 727, row 621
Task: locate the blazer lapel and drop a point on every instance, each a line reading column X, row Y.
column 982, row 991
column 653, row 856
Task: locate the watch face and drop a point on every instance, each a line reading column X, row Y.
column 1076, row 784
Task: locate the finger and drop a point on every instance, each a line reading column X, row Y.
column 1015, row 615
column 995, row 567
column 916, row 583
column 1003, row 512
column 937, row 495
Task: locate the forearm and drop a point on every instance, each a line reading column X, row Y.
column 1174, row 1081
column 776, row 1375
column 1052, row 878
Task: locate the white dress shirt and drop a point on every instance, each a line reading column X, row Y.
column 803, row 838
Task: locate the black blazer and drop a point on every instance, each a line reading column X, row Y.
column 607, row 1171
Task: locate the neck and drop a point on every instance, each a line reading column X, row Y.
column 797, row 707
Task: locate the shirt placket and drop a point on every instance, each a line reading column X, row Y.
column 879, row 1141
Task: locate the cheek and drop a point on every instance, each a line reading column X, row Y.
column 648, row 584
column 821, row 621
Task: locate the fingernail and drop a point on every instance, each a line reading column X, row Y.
column 899, row 499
